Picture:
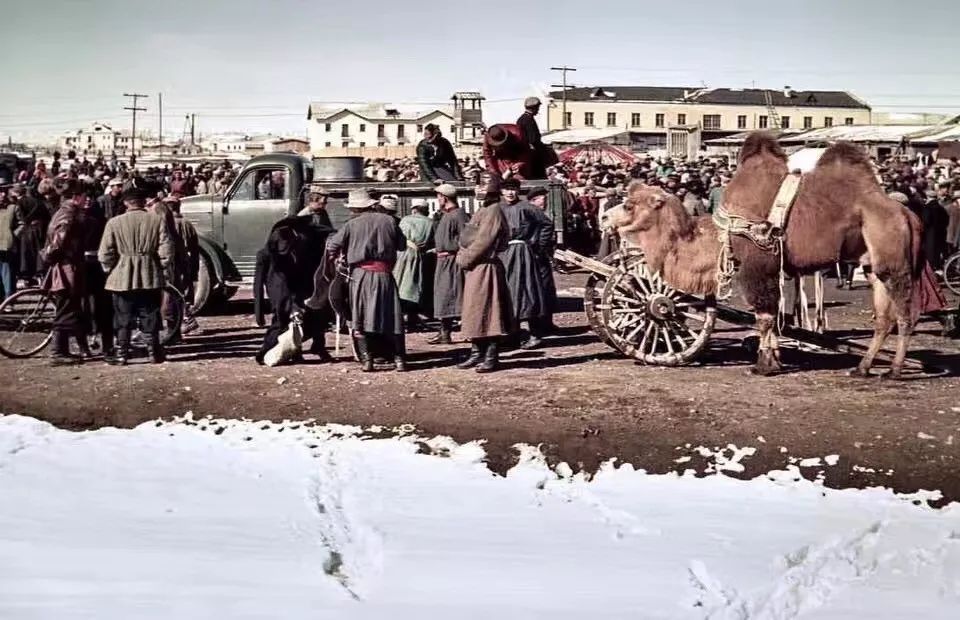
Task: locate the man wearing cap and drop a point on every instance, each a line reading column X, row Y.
column 370, row 240
column 411, row 272
column 136, row 252
column 546, row 243
column 32, row 219
column 448, row 277
column 97, row 302
column 111, row 203
column 436, row 157
column 506, row 153
column 543, row 156
column 63, row 254
column 8, row 274
column 523, row 280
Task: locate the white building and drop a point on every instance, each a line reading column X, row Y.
column 98, row 138
column 371, row 125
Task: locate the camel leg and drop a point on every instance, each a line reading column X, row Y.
column 901, row 312
column 768, row 358
column 882, row 326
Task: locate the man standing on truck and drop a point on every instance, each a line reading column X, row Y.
column 436, row 157
column 370, row 241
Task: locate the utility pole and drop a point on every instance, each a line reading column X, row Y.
column 160, row 111
column 193, row 130
column 133, row 130
column 563, row 70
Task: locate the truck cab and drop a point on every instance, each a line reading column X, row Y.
column 233, row 225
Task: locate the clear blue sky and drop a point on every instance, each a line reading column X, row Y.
column 254, row 65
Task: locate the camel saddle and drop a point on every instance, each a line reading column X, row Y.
column 768, row 233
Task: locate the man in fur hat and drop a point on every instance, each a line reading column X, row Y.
column 507, row 153
column 523, row 278
column 370, row 241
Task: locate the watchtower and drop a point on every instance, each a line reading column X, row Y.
column 467, row 115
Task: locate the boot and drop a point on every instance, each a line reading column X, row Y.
column 443, row 336
column 157, row 354
column 83, row 346
column 399, row 353
column 61, row 350
column 363, row 352
column 476, row 355
column 119, row 357
column 491, row 361
column 533, row 342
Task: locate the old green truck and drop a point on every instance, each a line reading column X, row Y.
column 234, row 225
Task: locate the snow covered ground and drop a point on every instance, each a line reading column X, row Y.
column 228, row 519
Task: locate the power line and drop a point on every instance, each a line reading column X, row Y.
column 133, row 130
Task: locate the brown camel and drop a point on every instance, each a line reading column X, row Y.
column 840, row 213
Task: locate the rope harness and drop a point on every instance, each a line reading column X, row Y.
column 768, row 235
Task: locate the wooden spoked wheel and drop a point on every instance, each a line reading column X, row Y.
column 648, row 319
column 593, row 293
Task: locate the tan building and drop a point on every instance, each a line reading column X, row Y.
column 370, row 126
column 718, row 112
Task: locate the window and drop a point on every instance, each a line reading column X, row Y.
column 419, row 128
column 328, row 127
column 807, row 122
column 611, row 119
column 635, row 119
column 681, row 119
column 763, row 122
column 363, row 127
column 326, row 144
column 658, row 120
column 588, row 119
column 262, row 184
column 381, row 133
column 453, row 129
column 344, row 144
column 742, row 121
column 785, row 122
column 828, row 121
column 848, row 120
column 711, row 121
column 344, row 130
column 363, row 144
column 400, row 130
column 568, row 118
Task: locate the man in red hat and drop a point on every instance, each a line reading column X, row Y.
column 507, row 153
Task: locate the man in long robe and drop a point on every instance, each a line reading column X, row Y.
column 523, row 280
column 546, row 243
column 370, row 241
column 486, row 300
column 410, row 271
column 448, row 277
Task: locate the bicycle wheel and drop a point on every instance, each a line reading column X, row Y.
column 26, row 323
column 951, row 273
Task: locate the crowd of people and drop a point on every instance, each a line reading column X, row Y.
column 104, row 238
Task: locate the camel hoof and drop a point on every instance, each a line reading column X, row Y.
column 859, row 372
column 891, row 374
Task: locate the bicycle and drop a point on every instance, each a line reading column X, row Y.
column 26, row 320
column 951, row 273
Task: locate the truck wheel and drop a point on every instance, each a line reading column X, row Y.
column 204, row 285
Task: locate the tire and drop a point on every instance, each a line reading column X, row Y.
column 951, row 273
column 203, row 289
column 26, row 323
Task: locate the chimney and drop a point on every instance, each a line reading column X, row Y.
column 787, row 92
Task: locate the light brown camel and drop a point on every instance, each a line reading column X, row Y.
column 840, row 213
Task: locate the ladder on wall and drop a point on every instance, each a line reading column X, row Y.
column 772, row 116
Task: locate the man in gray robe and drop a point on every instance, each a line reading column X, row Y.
column 370, row 241
column 523, row 280
column 410, row 272
column 546, row 243
column 448, row 277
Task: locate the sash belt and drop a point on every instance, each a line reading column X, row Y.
column 376, row 266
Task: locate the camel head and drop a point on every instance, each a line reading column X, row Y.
column 648, row 209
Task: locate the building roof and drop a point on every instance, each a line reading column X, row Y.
column 577, row 136
column 719, row 96
column 374, row 111
column 948, row 133
column 859, row 133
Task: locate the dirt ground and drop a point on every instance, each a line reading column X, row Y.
column 581, row 401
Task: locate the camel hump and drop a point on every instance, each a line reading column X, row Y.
column 845, row 153
column 759, row 142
